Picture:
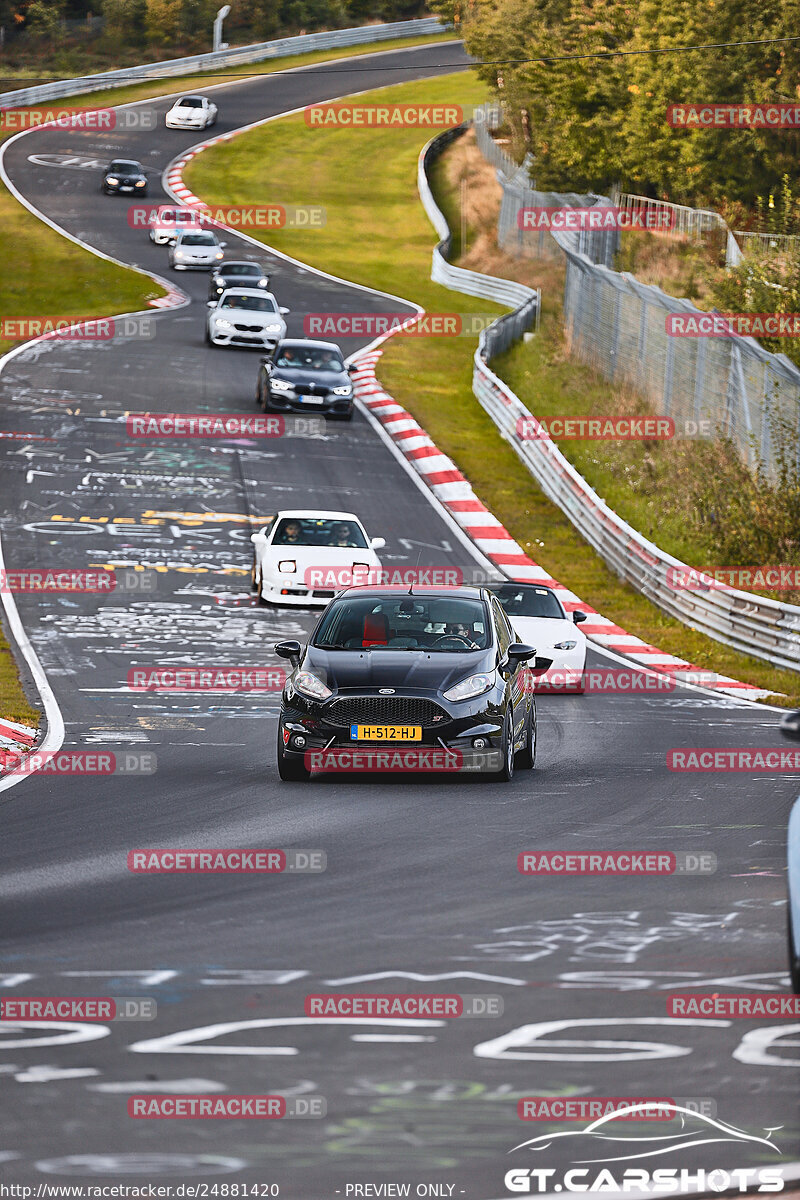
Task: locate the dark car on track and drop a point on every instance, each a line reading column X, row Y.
column 124, row 175
column 437, row 668
column 236, row 273
column 305, row 376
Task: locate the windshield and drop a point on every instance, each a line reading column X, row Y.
column 170, row 216
column 435, row 624
column 310, row 531
column 241, row 269
column 190, row 102
column 127, row 167
column 309, row 358
column 529, row 601
column 251, row 303
column 198, row 239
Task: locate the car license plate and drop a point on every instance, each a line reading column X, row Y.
column 310, row 399
column 126, row 187
column 386, row 733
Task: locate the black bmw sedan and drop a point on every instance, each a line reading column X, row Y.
column 305, row 376
column 124, row 175
column 436, row 668
column 236, row 272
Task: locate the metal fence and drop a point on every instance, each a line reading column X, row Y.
column 766, row 629
column 618, row 326
column 258, row 52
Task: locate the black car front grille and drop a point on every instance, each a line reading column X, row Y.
column 385, row 710
column 249, row 328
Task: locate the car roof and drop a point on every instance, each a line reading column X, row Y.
column 465, row 592
column 307, row 344
column 322, row 514
column 236, row 290
column 494, row 584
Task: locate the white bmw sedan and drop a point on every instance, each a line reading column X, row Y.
column 541, row 621
column 245, row 317
column 196, row 249
column 191, row 112
column 304, row 557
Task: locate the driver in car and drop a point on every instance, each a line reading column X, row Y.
column 341, row 536
column 459, row 629
column 290, row 535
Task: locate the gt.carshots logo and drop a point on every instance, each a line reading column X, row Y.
column 589, row 1147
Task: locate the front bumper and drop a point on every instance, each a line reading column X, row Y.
column 566, row 673
column 320, row 727
column 173, row 123
column 290, row 591
column 185, row 264
column 234, row 337
column 333, row 406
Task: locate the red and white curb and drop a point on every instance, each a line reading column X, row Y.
column 494, row 541
column 455, row 493
column 14, row 736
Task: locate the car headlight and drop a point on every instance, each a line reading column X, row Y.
column 565, row 645
column 308, row 685
column 180, row 254
column 141, row 182
column 263, row 282
column 280, row 385
column 287, row 565
column 221, row 321
column 345, row 390
column 220, row 254
column 272, row 328
column 476, row 685
column 112, row 179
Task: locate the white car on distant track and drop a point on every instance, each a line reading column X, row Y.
column 196, row 249
column 305, row 556
column 541, row 621
column 191, row 112
column 245, row 317
column 167, row 221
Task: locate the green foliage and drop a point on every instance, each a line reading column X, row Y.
column 593, row 122
column 44, row 18
column 766, row 281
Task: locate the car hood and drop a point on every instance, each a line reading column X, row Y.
column 300, row 377
column 322, row 556
column 414, row 670
column 248, row 316
column 544, row 632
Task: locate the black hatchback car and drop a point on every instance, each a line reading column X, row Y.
column 124, row 175
column 439, row 668
column 236, row 273
column 305, row 376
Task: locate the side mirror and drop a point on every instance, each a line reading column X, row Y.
column 291, row 650
column 222, row 245
column 283, row 311
column 211, row 304
column 579, row 617
column 259, row 536
column 519, row 652
column 377, row 543
column 540, row 665
column 351, row 370
column 790, row 726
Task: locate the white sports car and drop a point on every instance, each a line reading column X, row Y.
column 245, row 317
column 196, row 249
column 305, row 556
column 191, row 112
column 541, row 621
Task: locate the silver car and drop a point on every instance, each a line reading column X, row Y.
column 196, row 249
column 245, row 317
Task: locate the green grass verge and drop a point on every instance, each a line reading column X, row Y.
column 377, row 234
column 47, row 275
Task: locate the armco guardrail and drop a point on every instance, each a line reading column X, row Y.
column 524, row 300
column 765, row 629
column 279, row 48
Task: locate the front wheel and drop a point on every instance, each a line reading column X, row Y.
column 506, row 772
column 526, row 757
column 290, row 769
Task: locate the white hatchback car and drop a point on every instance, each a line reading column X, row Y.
column 196, row 249
column 191, row 112
column 541, row 621
column 245, row 317
column 167, row 221
column 305, row 556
